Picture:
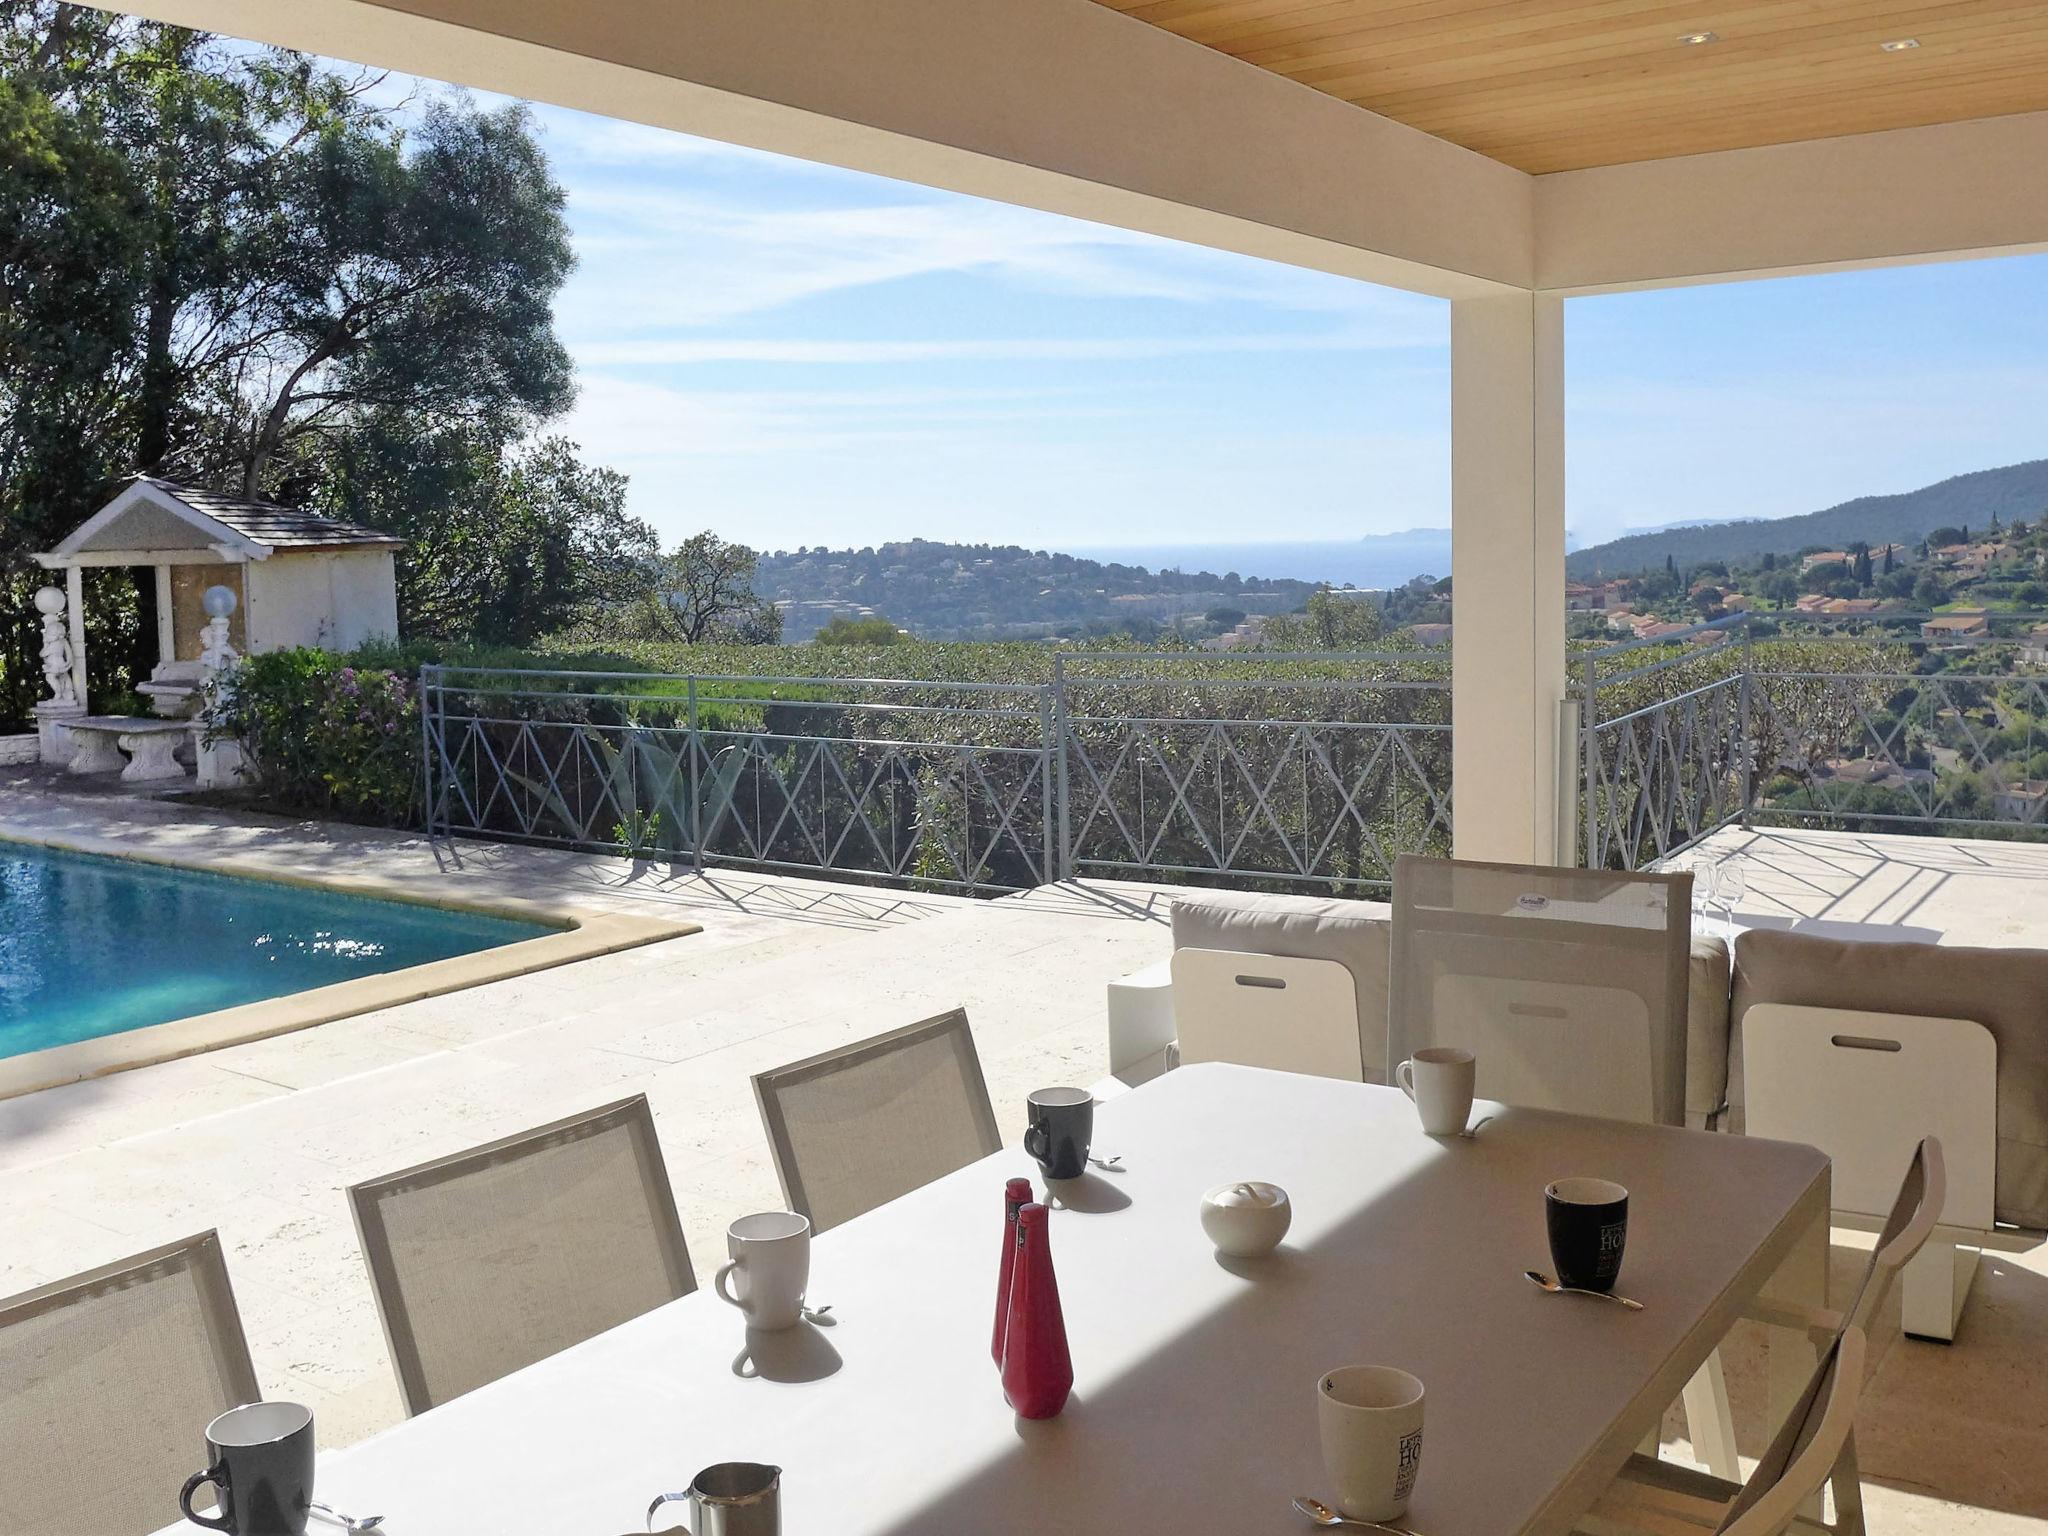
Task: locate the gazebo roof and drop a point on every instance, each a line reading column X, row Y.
column 152, row 520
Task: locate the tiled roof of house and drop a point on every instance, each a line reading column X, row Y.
column 266, row 522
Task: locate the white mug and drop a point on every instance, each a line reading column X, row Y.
column 1370, row 1418
column 771, row 1260
column 1440, row 1080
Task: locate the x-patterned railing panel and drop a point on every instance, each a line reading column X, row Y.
column 1309, row 772
column 1798, row 720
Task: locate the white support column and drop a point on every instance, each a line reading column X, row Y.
column 166, row 629
column 1507, row 575
column 74, row 596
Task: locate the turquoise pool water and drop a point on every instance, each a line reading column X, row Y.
column 93, row 946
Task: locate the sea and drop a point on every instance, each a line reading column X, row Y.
column 1381, row 560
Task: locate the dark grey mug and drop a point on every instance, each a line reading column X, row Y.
column 259, row 1458
column 1059, row 1124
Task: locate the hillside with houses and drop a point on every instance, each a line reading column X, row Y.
column 2012, row 491
column 1956, row 577
column 944, row 591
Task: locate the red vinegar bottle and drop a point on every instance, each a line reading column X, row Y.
column 1038, row 1373
column 1015, row 1194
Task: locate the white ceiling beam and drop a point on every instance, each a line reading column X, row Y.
column 1062, row 105
column 1977, row 188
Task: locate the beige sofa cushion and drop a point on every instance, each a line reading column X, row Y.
column 1352, row 933
column 2005, row 990
column 1706, row 1031
column 1357, row 935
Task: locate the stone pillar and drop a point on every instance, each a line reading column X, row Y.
column 60, row 671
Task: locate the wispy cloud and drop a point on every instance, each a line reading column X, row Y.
column 681, row 351
column 715, row 254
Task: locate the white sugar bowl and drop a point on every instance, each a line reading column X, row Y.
column 1246, row 1220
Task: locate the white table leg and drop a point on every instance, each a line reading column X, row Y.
column 152, row 755
column 1710, row 1422
column 94, row 752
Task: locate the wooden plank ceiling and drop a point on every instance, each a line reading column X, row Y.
column 1554, row 85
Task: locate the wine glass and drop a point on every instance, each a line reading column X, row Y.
column 1701, row 869
column 1731, row 885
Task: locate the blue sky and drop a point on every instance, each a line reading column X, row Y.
column 792, row 354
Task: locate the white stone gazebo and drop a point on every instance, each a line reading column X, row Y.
column 232, row 576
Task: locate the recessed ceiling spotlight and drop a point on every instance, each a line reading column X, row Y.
column 1900, row 44
column 1694, row 39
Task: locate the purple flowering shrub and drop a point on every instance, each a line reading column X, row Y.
column 325, row 737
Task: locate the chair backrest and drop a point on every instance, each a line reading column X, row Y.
column 1568, row 985
column 1354, row 934
column 1866, row 1087
column 1267, row 1011
column 1906, row 1230
column 1805, row 1451
column 126, row 1364
column 855, row 1127
column 499, row 1256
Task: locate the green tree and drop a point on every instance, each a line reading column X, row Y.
column 505, row 546
column 231, row 266
column 421, row 276
column 704, row 591
column 1928, row 591
column 1328, row 623
column 1780, row 588
column 1824, row 576
column 72, row 251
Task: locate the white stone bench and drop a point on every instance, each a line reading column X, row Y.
column 97, row 742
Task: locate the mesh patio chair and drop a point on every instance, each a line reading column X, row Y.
column 854, row 1128
column 494, row 1258
column 1656, row 1498
column 1569, row 985
column 124, row 1366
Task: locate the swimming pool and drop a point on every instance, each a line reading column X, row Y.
column 93, row 946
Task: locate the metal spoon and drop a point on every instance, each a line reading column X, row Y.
column 1472, row 1131
column 1108, row 1164
column 820, row 1317
column 348, row 1522
column 1323, row 1515
column 1543, row 1282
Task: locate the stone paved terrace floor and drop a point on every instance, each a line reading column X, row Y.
column 261, row 1140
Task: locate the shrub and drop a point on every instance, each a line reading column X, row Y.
column 326, row 737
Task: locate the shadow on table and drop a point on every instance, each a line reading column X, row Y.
column 1215, row 1427
column 1282, row 1265
column 794, row 1354
column 1089, row 1195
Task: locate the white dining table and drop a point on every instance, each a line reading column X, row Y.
column 1193, row 1407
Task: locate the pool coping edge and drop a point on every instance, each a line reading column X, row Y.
column 583, row 935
